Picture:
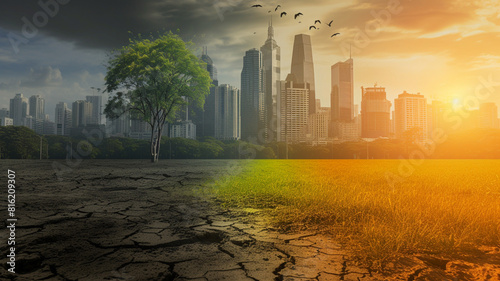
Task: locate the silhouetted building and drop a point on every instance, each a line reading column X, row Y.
column 82, row 113
column 37, row 107
column 29, row 122
column 204, row 118
column 411, row 112
column 19, row 109
column 342, row 95
column 375, row 113
column 252, row 95
column 293, row 107
column 49, row 127
column 342, row 121
column 4, row 112
column 488, row 116
column 271, row 60
column 63, row 119
column 303, row 66
column 5, row 119
column 119, row 127
column 95, row 116
column 210, row 66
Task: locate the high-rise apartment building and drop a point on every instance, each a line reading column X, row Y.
column 227, row 119
column 410, row 113
column 375, row 113
column 293, row 107
column 63, row 119
column 96, row 102
column 19, row 109
column 37, row 107
column 252, row 95
column 82, row 113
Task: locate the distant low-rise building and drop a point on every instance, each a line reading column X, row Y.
column 6, row 121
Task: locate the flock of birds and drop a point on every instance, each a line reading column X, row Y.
column 296, row 16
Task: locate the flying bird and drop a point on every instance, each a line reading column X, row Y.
column 277, row 7
column 317, row 21
column 330, row 24
column 257, row 6
column 335, row 34
column 298, row 14
column 311, row 27
column 283, row 14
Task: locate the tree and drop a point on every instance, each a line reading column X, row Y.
column 156, row 77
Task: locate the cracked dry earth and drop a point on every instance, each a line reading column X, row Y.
column 132, row 220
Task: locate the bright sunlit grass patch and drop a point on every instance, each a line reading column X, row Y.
column 444, row 207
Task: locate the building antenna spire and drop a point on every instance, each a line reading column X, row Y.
column 350, row 51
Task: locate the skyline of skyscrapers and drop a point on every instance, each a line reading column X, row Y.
column 269, row 107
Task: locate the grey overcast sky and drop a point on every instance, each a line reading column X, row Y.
column 438, row 48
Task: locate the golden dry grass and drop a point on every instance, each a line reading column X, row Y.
column 444, row 207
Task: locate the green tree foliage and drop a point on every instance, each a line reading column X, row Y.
column 157, row 76
column 17, row 142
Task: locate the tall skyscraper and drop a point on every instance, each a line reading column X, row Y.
column 342, row 123
column 82, row 113
column 204, row 119
column 37, row 107
column 227, row 113
column 63, row 119
column 488, row 115
column 210, row 66
column 252, row 94
column 303, row 66
column 96, row 102
column 342, row 95
column 375, row 113
column 271, row 57
column 411, row 112
column 19, row 109
column 293, row 110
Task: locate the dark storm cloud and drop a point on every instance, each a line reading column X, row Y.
column 105, row 24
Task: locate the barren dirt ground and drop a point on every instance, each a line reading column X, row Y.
column 132, row 220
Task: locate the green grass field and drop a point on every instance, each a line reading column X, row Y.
column 444, row 207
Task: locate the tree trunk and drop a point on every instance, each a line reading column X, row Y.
column 154, row 139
